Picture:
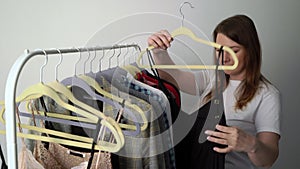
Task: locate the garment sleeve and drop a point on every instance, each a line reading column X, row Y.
column 269, row 112
column 203, row 80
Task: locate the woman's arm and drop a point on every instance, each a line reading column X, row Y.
column 265, row 150
column 184, row 80
column 262, row 149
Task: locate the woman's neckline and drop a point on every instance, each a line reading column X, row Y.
column 235, row 82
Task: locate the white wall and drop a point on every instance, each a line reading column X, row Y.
column 35, row 24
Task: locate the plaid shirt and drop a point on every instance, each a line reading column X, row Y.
column 143, row 150
column 124, row 81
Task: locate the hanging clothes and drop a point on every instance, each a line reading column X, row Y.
column 169, row 90
column 52, row 155
column 36, row 93
column 158, row 102
column 60, row 157
column 26, row 160
column 46, row 104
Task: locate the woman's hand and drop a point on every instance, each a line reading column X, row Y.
column 183, row 80
column 161, row 39
column 262, row 149
column 235, row 138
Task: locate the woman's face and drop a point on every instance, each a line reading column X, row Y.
column 240, row 72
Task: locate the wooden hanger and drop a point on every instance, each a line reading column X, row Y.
column 187, row 32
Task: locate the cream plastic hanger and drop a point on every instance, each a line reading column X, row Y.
column 131, row 69
column 38, row 90
column 58, row 87
column 57, row 115
column 187, row 32
column 93, row 83
column 80, row 141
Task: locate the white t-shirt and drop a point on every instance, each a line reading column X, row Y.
column 261, row 114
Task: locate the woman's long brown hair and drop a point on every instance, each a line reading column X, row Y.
column 241, row 29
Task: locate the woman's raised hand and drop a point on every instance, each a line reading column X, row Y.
column 161, row 39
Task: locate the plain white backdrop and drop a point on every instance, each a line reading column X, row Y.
column 33, row 24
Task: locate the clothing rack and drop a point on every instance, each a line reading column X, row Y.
column 11, row 86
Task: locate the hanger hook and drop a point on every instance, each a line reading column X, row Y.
column 132, row 55
column 109, row 59
column 60, row 61
column 43, row 66
column 91, row 63
column 127, row 51
column 180, row 10
column 86, row 60
column 75, row 71
column 135, row 49
column 100, row 60
column 119, row 55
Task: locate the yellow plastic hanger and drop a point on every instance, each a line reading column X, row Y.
column 131, row 69
column 187, row 32
column 94, row 84
column 39, row 90
column 56, row 115
column 80, row 141
column 60, row 88
column 2, row 105
column 68, row 94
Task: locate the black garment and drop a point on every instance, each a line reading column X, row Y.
column 162, row 120
column 3, row 166
column 167, row 88
column 190, row 154
column 80, row 95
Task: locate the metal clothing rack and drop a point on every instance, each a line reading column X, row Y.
column 11, row 86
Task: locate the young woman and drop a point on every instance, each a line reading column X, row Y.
column 251, row 103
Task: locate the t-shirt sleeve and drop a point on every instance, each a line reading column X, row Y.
column 269, row 112
column 203, row 80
